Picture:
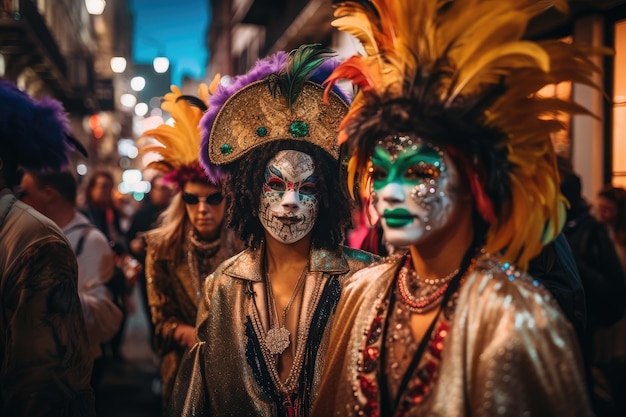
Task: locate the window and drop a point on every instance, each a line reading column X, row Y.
column 619, row 107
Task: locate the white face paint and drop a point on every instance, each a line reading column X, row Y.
column 416, row 193
column 288, row 207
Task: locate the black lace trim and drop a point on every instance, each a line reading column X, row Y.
column 255, row 359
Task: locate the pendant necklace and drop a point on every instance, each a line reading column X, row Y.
column 278, row 337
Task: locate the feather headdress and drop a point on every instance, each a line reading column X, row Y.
column 178, row 144
column 35, row 133
column 457, row 74
column 281, row 97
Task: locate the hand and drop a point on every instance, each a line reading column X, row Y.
column 137, row 246
column 131, row 268
column 185, row 335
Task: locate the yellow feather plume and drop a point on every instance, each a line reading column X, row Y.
column 466, row 59
column 179, row 145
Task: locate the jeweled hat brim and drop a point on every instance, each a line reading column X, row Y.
column 253, row 116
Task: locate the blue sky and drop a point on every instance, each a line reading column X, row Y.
column 177, row 28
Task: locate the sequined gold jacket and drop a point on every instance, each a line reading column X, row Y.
column 223, row 374
column 174, row 291
column 507, row 351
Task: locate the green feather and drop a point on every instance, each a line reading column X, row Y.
column 301, row 63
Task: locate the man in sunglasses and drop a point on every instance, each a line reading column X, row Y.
column 189, row 241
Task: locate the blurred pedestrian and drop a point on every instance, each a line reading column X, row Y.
column 99, row 207
column 190, row 240
column 46, row 362
column 264, row 314
column 610, row 342
column 601, row 273
column 101, row 212
column 125, row 206
column 54, row 194
column 611, row 211
column 143, row 220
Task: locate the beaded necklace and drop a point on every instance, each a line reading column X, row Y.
column 289, row 386
column 421, row 295
column 199, row 253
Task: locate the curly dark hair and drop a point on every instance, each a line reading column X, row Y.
column 245, row 184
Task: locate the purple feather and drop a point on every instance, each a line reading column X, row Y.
column 214, row 173
column 37, row 132
column 259, row 71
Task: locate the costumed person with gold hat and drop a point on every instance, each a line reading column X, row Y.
column 190, row 239
column 46, row 361
column 264, row 313
column 448, row 133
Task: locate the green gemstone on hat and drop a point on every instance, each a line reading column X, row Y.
column 299, row 129
column 262, row 131
column 226, row 149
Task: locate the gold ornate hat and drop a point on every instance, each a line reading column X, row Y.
column 280, row 98
column 253, row 116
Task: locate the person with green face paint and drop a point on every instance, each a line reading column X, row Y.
column 466, row 186
column 414, row 191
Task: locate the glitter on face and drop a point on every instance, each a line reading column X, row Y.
column 415, row 191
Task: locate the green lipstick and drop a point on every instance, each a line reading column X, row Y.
column 398, row 217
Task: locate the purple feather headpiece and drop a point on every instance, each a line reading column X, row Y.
column 194, row 172
column 271, row 68
column 35, row 133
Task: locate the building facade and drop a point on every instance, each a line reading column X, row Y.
column 57, row 48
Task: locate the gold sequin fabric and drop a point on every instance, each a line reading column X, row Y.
column 508, row 350
column 216, row 377
column 174, row 290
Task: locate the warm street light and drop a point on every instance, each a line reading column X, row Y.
column 161, row 64
column 128, row 100
column 141, row 109
column 137, row 83
column 95, row 7
column 81, row 169
column 118, row 64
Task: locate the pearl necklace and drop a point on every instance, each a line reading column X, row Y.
column 421, row 295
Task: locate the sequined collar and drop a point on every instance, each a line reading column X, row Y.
column 247, row 265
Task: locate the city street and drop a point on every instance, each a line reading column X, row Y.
column 127, row 386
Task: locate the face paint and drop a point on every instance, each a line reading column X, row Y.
column 288, row 206
column 416, row 189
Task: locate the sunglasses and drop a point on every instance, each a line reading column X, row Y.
column 211, row 199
